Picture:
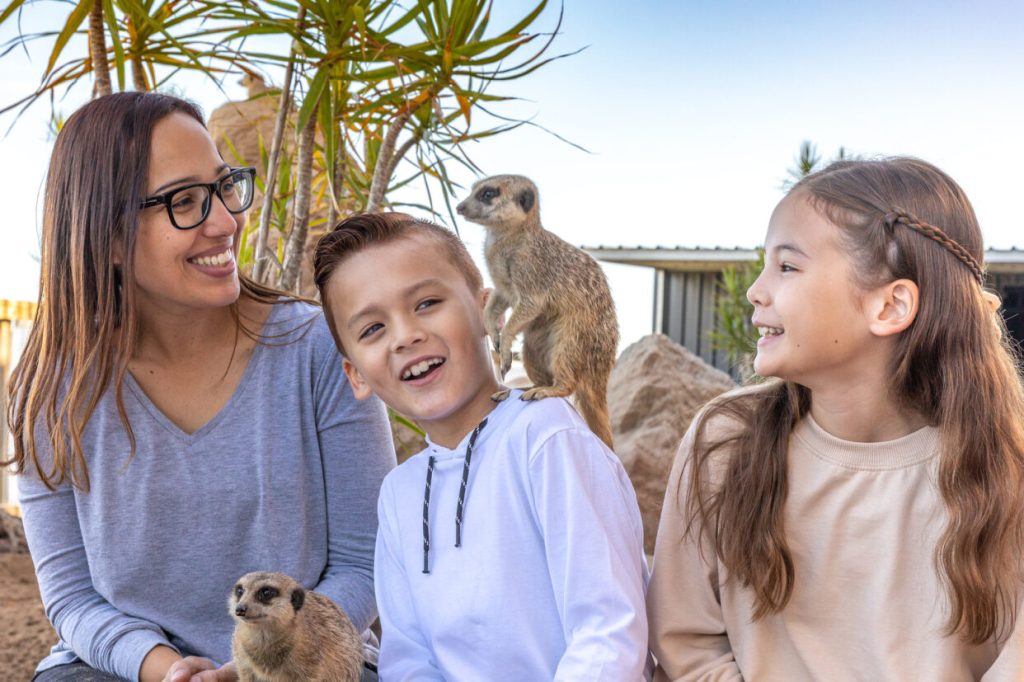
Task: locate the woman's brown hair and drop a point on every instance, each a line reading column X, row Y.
column 955, row 365
column 85, row 328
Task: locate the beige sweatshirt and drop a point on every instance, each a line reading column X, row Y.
column 862, row 521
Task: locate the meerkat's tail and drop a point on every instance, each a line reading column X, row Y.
column 592, row 402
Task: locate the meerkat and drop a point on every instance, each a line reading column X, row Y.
column 284, row 633
column 253, row 82
column 559, row 298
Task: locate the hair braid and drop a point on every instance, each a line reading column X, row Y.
column 899, row 216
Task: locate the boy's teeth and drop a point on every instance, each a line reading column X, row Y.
column 769, row 331
column 219, row 259
column 420, row 368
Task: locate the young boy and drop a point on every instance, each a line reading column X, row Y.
column 511, row 548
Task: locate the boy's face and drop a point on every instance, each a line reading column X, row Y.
column 413, row 333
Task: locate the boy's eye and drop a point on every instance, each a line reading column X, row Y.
column 427, row 303
column 786, row 267
column 371, row 330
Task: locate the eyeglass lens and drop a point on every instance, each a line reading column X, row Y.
column 191, row 205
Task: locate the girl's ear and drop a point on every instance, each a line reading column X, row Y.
column 360, row 389
column 893, row 307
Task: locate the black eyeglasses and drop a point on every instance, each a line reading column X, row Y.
column 189, row 206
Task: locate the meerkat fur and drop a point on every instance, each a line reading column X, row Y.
column 559, row 298
column 284, row 633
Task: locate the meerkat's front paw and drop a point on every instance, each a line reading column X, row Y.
column 501, row 395
column 540, row 392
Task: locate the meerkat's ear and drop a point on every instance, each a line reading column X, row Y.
column 298, row 598
column 525, row 200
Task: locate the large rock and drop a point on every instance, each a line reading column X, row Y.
column 654, row 391
column 240, row 128
column 12, row 534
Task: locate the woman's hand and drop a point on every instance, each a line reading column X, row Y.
column 197, row 669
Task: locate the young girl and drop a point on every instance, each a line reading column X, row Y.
column 861, row 516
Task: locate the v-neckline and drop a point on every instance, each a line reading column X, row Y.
column 161, row 418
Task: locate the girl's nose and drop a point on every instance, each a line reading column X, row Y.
column 757, row 293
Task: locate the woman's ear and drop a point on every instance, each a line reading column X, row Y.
column 360, row 389
column 893, row 307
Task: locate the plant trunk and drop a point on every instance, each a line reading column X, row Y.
column 98, row 51
column 262, row 257
column 139, row 73
column 386, row 162
column 295, row 249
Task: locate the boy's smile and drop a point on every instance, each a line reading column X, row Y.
column 413, row 334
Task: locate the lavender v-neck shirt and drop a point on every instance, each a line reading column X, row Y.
column 284, row 478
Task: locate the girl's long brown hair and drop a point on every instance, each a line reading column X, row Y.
column 955, row 365
column 85, row 328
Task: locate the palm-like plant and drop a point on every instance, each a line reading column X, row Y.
column 370, row 80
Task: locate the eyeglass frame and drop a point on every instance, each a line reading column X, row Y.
column 212, row 187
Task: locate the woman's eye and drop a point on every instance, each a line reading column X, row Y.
column 370, row 330
column 427, row 303
column 183, row 201
column 786, row 267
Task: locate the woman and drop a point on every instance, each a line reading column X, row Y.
column 177, row 425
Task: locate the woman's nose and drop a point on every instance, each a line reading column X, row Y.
column 220, row 220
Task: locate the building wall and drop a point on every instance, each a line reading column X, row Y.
column 1011, row 288
column 685, row 312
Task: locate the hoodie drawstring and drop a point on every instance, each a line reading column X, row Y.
column 460, row 509
column 426, row 514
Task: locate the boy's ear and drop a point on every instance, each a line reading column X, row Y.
column 360, row 389
column 893, row 307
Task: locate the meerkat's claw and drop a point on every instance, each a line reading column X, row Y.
column 501, row 395
column 540, row 392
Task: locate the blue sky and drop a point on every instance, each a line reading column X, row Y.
column 692, row 113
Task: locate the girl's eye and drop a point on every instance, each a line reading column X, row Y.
column 428, row 303
column 786, row 267
column 372, row 329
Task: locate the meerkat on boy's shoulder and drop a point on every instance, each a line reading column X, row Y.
column 559, row 298
column 284, row 633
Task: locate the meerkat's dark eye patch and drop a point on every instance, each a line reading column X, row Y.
column 265, row 595
column 298, row 598
column 487, row 194
column 525, row 200
column 239, row 591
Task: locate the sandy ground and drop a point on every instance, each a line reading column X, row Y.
column 25, row 634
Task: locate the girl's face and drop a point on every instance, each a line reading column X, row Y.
column 180, row 270
column 813, row 318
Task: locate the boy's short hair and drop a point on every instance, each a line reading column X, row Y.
column 364, row 229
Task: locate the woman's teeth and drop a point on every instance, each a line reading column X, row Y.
column 420, row 368
column 219, row 259
column 769, row 331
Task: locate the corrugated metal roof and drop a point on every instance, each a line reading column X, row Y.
column 703, row 258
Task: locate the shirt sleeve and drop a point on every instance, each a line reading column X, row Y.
column 404, row 653
column 357, row 451
column 688, row 636
column 593, row 537
column 97, row 632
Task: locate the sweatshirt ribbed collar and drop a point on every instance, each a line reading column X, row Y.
column 914, row 448
column 497, row 416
